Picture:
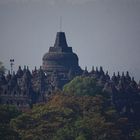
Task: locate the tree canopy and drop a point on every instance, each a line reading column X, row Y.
column 7, row 113
column 80, row 112
column 69, row 118
column 2, row 68
column 83, row 86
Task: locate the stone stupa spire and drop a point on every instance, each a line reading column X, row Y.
column 60, row 40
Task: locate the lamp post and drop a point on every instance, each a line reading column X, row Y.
column 11, row 64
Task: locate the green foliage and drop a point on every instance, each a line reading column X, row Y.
column 7, row 133
column 7, row 113
column 83, row 86
column 137, row 134
column 18, row 122
column 67, row 118
column 2, row 68
column 65, row 133
column 81, row 137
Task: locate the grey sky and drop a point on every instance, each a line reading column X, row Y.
column 102, row 32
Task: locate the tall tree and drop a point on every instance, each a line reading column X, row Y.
column 2, row 68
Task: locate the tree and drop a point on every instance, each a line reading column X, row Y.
column 2, row 68
column 83, row 86
column 67, row 117
column 7, row 113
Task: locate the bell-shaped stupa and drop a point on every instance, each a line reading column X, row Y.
column 60, row 57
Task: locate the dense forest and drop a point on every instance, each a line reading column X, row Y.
column 81, row 111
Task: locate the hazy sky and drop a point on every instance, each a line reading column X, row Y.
column 102, row 32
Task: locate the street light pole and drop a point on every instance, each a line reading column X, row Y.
column 11, row 64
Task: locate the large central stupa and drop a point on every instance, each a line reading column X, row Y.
column 60, row 57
